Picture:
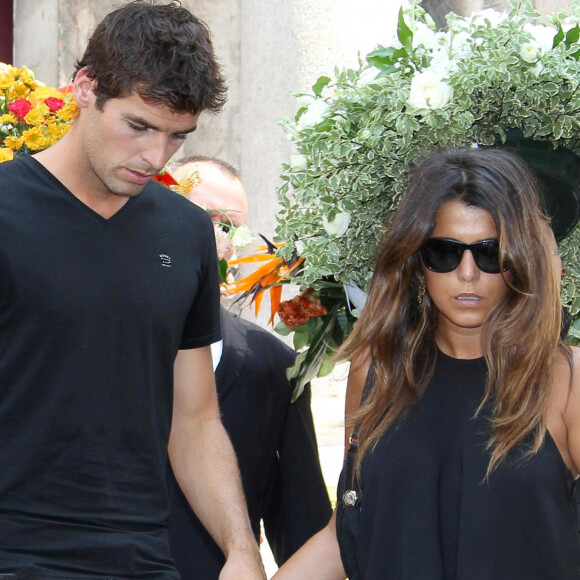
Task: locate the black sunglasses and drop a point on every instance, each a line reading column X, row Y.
column 443, row 255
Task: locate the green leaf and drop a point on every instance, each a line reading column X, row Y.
column 223, row 270
column 404, row 33
column 282, row 329
column 293, row 371
column 319, row 85
column 301, row 338
column 560, row 36
column 314, row 356
column 326, row 366
column 572, row 35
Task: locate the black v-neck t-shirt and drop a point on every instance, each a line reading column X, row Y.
column 92, row 314
column 429, row 514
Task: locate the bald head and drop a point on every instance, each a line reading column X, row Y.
column 219, row 189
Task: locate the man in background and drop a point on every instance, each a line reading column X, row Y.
column 274, row 439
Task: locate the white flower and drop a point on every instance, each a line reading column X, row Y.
column 530, row 52
column 368, row 75
column 429, row 91
column 543, row 36
column 491, row 16
column 440, row 63
column 460, row 45
column 223, row 244
column 304, row 100
column 338, row 226
column 314, row 114
column 298, row 162
column 424, row 36
column 241, row 238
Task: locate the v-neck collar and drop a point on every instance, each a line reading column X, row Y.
column 121, row 215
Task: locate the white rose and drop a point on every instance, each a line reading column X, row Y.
column 530, row 52
column 543, row 37
column 298, row 162
column 304, row 100
column 338, row 226
column 440, row 63
column 314, row 114
column 429, row 91
column 424, row 36
column 242, row 238
column 460, row 45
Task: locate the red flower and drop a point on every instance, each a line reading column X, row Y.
column 165, row 179
column 300, row 309
column 54, row 104
column 20, row 107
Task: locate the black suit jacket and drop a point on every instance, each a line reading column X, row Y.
column 275, row 444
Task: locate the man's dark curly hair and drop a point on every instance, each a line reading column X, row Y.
column 161, row 52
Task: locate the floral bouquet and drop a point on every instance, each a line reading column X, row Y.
column 33, row 116
column 479, row 82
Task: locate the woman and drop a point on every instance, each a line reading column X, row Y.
column 469, row 441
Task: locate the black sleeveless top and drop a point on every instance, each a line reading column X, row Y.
column 427, row 512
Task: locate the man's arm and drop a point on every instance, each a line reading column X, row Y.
column 205, row 466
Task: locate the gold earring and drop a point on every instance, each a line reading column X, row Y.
column 421, row 292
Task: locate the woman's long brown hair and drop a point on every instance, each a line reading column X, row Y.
column 520, row 337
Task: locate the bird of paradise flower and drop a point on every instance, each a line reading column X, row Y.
column 269, row 276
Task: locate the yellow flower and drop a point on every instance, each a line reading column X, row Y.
column 27, row 76
column 18, row 91
column 36, row 116
column 54, row 132
column 6, row 154
column 34, row 139
column 13, row 142
column 8, row 119
column 43, row 92
column 6, row 80
column 69, row 111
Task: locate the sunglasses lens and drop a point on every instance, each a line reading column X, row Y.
column 441, row 255
column 486, row 256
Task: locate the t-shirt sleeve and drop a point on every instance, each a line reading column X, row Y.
column 202, row 326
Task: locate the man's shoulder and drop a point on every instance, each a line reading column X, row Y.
column 182, row 212
column 257, row 334
column 18, row 167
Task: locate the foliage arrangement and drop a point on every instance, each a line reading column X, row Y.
column 33, row 116
column 360, row 130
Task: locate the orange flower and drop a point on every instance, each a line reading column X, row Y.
column 269, row 276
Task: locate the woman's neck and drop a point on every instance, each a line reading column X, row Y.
column 461, row 343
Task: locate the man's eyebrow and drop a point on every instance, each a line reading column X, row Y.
column 140, row 121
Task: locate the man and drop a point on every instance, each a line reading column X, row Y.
column 274, row 440
column 108, row 304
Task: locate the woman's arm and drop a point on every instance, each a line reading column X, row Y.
column 356, row 381
column 318, row 559
column 572, row 411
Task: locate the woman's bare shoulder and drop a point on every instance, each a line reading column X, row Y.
column 566, row 400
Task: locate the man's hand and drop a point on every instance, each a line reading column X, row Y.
column 243, row 566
